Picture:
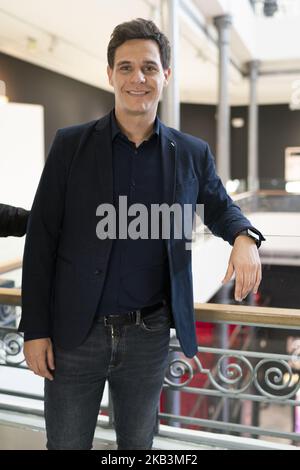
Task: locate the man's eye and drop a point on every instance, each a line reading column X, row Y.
column 127, row 68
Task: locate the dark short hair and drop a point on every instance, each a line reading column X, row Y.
column 139, row 29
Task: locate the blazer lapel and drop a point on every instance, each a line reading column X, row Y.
column 169, row 157
column 103, row 157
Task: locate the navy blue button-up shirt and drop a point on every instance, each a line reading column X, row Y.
column 138, row 273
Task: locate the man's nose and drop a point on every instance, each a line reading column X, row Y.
column 138, row 77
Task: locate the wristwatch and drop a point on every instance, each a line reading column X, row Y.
column 250, row 233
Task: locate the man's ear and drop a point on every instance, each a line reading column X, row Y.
column 167, row 74
column 109, row 74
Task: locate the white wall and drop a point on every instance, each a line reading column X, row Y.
column 21, row 163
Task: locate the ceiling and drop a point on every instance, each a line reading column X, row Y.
column 70, row 37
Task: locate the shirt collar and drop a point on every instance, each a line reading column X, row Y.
column 115, row 129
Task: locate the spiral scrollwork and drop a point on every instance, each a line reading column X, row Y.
column 232, row 374
column 278, row 377
column 11, row 348
column 177, row 368
column 228, row 373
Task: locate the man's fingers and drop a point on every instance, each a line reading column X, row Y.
column 39, row 356
column 29, row 364
column 50, row 358
column 39, row 367
column 239, row 286
column 46, row 374
column 43, row 369
column 258, row 279
column 34, row 367
column 229, row 273
column 248, row 284
column 251, row 281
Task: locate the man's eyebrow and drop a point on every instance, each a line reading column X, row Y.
column 150, row 62
column 127, row 62
column 123, row 62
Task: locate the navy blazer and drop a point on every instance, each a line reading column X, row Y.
column 64, row 266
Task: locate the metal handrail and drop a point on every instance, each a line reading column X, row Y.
column 10, row 296
column 248, row 315
column 10, row 266
column 214, row 313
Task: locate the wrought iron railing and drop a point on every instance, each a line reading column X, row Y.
column 235, row 374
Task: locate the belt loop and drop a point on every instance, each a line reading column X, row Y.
column 138, row 317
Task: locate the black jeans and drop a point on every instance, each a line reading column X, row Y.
column 133, row 358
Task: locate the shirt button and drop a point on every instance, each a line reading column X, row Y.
column 98, row 272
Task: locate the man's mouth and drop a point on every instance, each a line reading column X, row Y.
column 138, row 93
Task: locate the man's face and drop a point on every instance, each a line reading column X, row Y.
column 138, row 76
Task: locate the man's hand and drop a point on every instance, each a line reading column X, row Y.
column 39, row 356
column 245, row 261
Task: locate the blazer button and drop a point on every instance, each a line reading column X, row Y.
column 98, row 272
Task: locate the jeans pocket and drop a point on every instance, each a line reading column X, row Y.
column 157, row 321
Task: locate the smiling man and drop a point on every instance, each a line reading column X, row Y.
column 138, row 77
column 98, row 308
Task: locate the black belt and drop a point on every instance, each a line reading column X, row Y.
column 131, row 317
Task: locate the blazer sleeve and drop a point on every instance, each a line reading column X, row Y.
column 13, row 221
column 221, row 215
column 41, row 242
